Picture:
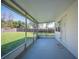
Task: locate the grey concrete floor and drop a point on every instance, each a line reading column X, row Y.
column 46, row 49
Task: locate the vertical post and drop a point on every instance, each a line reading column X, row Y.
column 46, row 28
column 36, row 31
column 33, row 32
column 25, row 32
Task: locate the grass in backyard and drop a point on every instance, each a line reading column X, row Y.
column 7, row 37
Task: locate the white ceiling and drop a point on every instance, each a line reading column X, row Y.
column 44, row 10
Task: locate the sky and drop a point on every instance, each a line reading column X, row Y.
column 8, row 12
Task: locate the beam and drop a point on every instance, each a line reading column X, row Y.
column 46, row 22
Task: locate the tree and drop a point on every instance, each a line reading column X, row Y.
column 2, row 23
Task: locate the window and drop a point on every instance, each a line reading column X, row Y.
column 12, row 30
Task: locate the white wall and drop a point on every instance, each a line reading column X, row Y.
column 68, row 35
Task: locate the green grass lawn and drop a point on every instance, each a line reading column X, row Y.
column 7, row 37
column 10, row 40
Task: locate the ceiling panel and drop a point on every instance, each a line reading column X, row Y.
column 44, row 10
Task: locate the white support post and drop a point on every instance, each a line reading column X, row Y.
column 25, row 32
column 37, row 30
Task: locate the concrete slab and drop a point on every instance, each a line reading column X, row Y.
column 46, row 49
